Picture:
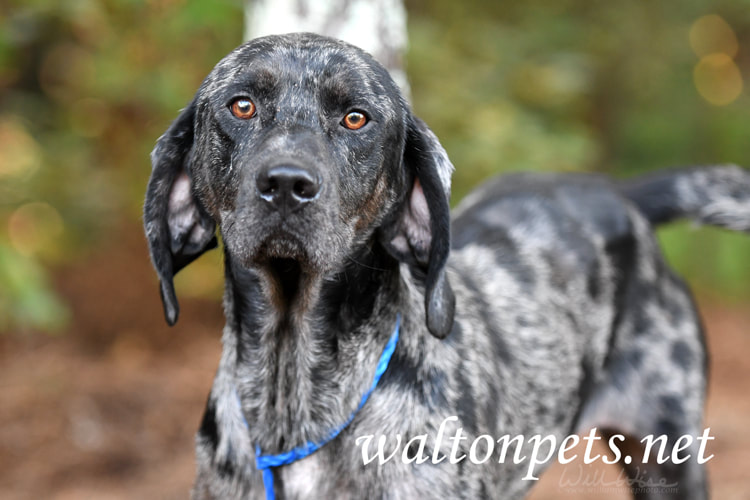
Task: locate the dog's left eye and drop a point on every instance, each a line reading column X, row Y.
column 354, row 120
column 242, row 108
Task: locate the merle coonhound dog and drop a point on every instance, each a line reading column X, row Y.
column 357, row 306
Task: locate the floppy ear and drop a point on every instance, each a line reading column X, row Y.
column 420, row 233
column 177, row 227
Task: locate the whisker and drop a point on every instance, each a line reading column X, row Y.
column 365, row 265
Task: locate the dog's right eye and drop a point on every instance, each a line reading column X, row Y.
column 242, row 108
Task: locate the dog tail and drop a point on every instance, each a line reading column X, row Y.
column 714, row 195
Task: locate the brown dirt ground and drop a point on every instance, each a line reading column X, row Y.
column 108, row 410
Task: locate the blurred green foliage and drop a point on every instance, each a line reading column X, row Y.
column 608, row 87
column 87, row 86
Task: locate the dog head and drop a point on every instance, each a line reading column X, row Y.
column 301, row 150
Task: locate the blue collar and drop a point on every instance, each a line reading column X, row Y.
column 264, row 463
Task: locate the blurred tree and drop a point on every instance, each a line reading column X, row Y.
column 87, row 86
column 377, row 26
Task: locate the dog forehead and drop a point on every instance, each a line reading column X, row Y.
column 308, row 60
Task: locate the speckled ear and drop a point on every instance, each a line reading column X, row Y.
column 177, row 227
column 421, row 233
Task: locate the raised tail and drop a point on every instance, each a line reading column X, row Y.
column 715, row 195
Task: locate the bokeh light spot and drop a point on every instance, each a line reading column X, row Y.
column 63, row 69
column 718, row 79
column 33, row 226
column 20, row 154
column 712, row 34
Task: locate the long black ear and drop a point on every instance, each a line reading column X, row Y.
column 420, row 233
column 177, row 227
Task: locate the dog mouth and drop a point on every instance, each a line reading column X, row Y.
column 286, row 263
column 286, row 274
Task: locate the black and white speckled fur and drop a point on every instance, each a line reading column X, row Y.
column 566, row 315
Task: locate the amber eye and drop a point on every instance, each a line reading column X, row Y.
column 354, row 120
column 242, row 108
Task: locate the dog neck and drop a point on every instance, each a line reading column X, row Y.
column 303, row 360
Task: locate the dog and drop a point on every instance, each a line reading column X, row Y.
column 544, row 307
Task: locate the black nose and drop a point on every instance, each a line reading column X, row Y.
column 286, row 187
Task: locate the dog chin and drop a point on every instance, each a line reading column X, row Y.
column 287, row 249
column 281, row 248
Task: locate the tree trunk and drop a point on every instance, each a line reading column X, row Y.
column 377, row 26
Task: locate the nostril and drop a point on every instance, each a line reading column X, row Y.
column 305, row 189
column 266, row 184
column 271, row 186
